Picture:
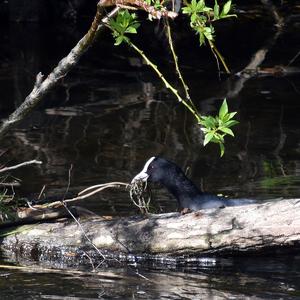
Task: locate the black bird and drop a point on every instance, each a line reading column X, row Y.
column 189, row 197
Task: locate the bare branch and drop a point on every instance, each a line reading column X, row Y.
column 81, row 197
column 141, row 4
column 116, row 183
column 25, row 163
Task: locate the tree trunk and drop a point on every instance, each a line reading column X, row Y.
column 232, row 230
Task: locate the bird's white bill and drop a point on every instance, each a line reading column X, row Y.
column 143, row 176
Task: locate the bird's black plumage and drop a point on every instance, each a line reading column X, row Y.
column 158, row 169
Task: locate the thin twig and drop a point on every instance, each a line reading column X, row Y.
column 41, row 192
column 293, row 59
column 218, row 55
column 91, row 260
column 117, row 183
column 217, row 61
column 83, row 232
column 104, row 186
column 175, row 59
column 25, row 163
column 78, row 223
column 161, row 76
column 69, row 181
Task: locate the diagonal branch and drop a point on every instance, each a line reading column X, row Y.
column 43, row 86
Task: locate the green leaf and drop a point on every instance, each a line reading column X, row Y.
column 227, row 130
column 200, row 5
column 201, row 38
column 215, row 140
column 226, row 8
column 131, row 30
column 216, row 10
column 223, row 109
column 186, row 10
column 119, row 40
column 231, row 115
column 194, row 5
column 208, row 33
column 115, row 26
column 222, row 149
column 205, row 130
column 231, row 123
column 219, row 137
column 208, row 122
column 208, row 137
column 193, row 18
column 124, row 23
column 207, row 9
column 228, row 16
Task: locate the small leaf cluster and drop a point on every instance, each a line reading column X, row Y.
column 216, row 128
column 157, row 4
column 125, row 23
column 202, row 16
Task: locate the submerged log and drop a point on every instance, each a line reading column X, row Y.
column 231, row 230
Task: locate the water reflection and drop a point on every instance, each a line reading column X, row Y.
column 109, row 136
column 228, row 279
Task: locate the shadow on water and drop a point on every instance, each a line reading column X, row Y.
column 111, row 114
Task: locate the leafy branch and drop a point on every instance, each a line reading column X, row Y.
column 124, row 23
column 201, row 21
column 214, row 128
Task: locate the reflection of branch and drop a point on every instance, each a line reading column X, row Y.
column 293, row 59
column 236, row 85
column 42, row 86
column 26, row 163
column 260, row 55
column 282, row 139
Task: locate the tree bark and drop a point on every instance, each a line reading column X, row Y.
column 232, row 230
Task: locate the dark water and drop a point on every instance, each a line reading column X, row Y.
column 230, row 279
column 111, row 114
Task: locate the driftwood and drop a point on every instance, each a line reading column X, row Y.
column 232, row 230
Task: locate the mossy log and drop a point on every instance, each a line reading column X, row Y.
column 231, row 230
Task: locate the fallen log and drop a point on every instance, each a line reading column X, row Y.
column 231, row 230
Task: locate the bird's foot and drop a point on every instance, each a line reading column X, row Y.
column 185, row 211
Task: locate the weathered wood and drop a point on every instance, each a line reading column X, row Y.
column 240, row 229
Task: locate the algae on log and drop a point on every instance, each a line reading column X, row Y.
column 241, row 229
